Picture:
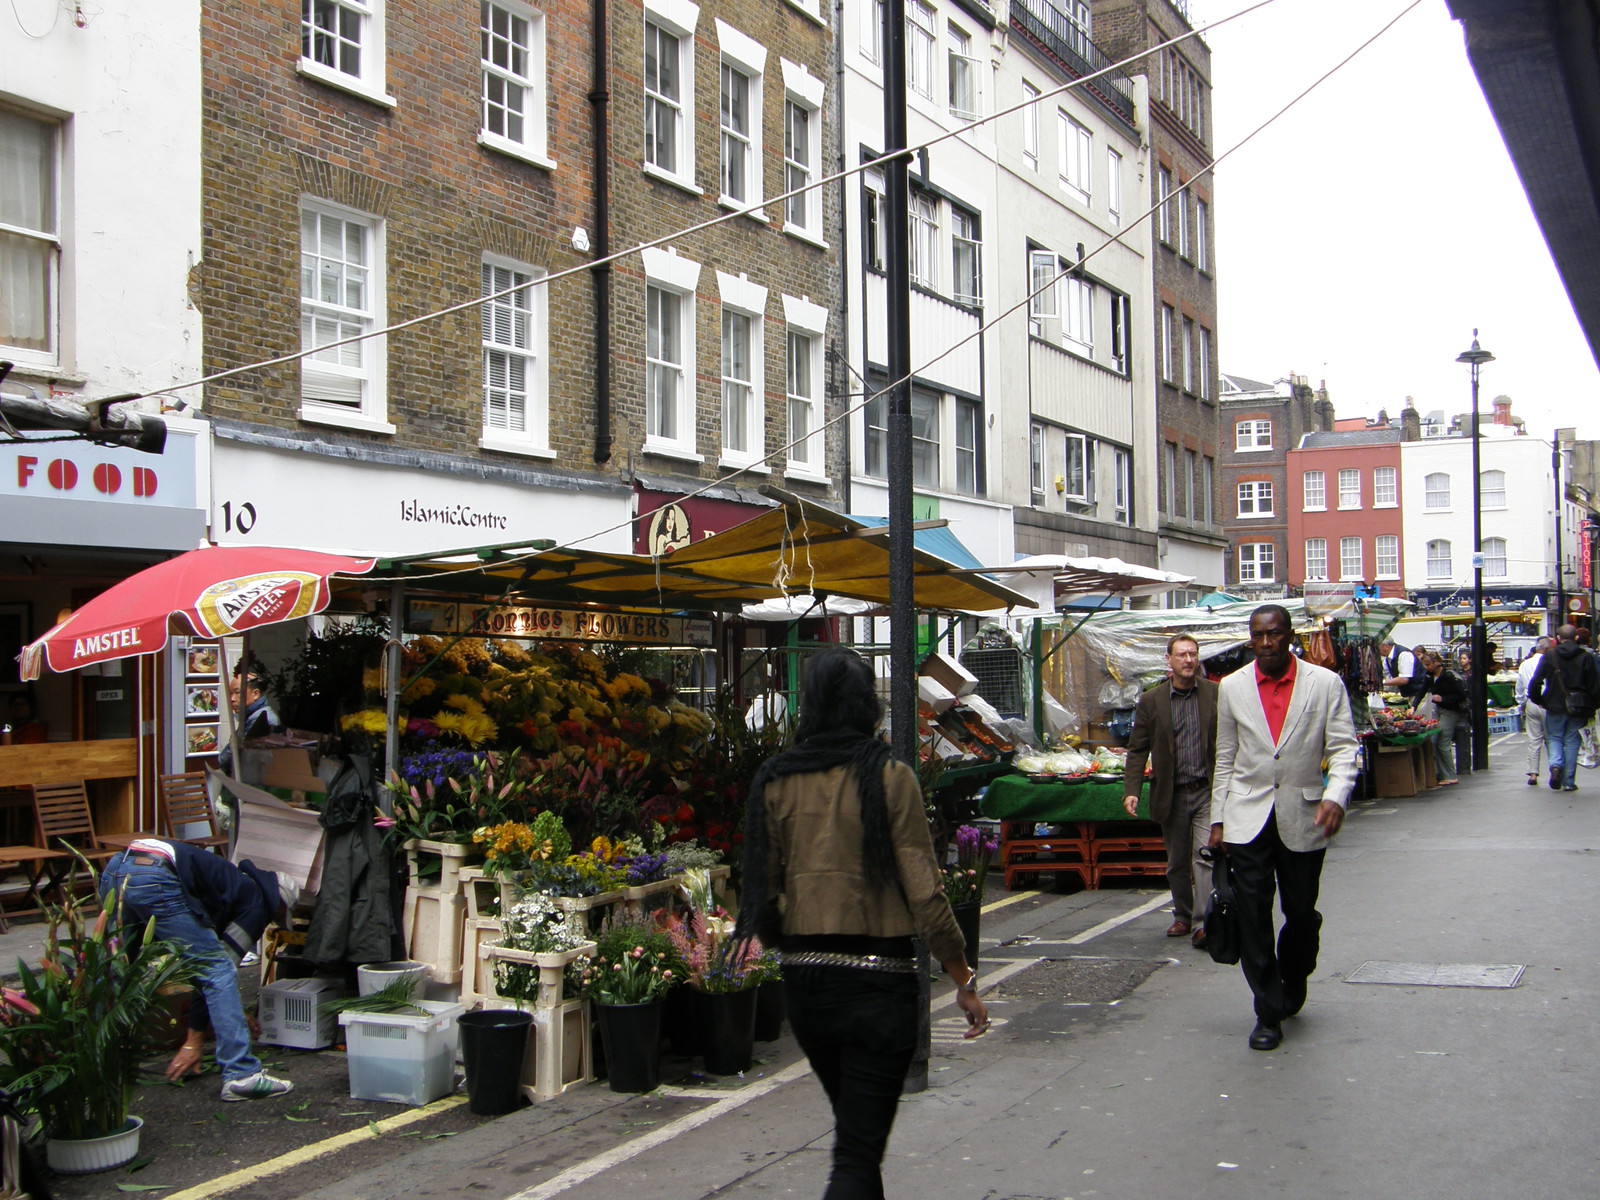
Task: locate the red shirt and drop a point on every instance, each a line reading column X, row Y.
column 1275, row 695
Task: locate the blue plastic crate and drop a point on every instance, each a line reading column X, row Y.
column 1505, row 722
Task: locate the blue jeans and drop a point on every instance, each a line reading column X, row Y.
column 1561, row 734
column 154, row 891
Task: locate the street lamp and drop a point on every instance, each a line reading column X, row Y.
column 1475, row 358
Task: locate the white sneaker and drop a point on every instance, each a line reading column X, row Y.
column 251, row 959
column 259, row 1086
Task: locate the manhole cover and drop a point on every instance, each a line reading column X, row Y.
column 1474, row 975
column 1080, row 980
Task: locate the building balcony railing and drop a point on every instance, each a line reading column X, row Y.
column 1061, row 37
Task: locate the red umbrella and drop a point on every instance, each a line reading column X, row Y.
column 217, row 590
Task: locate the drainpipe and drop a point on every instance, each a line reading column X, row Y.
column 600, row 103
column 844, row 253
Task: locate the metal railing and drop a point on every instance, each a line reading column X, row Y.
column 1065, row 40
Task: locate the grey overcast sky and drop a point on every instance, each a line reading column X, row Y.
column 1363, row 236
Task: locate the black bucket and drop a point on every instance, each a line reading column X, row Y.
column 968, row 917
column 494, row 1044
column 728, row 1031
column 632, row 1036
column 769, row 1011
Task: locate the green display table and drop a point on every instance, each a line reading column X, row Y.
column 1501, row 695
column 1406, row 739
column 1018, row 798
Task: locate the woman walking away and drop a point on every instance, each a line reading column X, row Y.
column 839, row 874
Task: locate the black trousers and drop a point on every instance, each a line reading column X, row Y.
column 858, row 1029
column 1277, row 978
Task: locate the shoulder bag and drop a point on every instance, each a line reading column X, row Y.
column 1222, row 913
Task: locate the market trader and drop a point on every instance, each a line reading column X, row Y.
column 1175, row 729
column 1273, row 813
column 215, row 911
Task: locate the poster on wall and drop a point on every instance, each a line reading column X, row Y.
column 202, row 700
column 202, row 662
column 200, row 739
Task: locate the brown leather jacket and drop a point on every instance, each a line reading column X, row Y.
column 814, row 861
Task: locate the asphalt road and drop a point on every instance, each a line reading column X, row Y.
column 1117, row 1066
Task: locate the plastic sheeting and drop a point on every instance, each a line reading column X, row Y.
column 1133, row 644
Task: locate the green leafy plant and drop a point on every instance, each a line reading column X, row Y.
column 632, row 964
column 393, row 997
column 74, row 1031
column 447, row 796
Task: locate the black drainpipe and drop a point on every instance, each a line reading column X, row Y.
column 600, row 102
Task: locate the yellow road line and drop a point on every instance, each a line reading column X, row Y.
column 273, row 1166
column 1011, row 899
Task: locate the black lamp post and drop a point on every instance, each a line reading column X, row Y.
column 1475, row 358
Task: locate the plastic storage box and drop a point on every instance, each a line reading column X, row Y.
column 288, row 1013
column 402, row 1058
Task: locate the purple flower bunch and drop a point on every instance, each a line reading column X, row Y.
column 436, row 766
column 974, row 850
column 647, row 868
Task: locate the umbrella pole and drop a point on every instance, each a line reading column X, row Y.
column 230, row 717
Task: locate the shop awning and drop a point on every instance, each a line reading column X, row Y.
column 797, row 548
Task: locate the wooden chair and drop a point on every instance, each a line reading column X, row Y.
column 184, row 800
column 61, row 814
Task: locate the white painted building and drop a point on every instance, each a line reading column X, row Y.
column 1028, row 431
column 1517, row 493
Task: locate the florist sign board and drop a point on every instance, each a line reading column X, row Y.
column 556, row 624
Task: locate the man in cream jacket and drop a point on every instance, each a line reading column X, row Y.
column 1286, row 765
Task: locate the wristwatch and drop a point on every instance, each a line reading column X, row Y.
column 970, row 986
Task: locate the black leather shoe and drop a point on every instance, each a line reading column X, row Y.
column 1555, row 779
column 1294, row 997
column 1265, row 1037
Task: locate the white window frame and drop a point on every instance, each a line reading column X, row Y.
column 528, row 306
column 1258, row 562
column 1077, row 447
column 923, row 260
column 966, row 258
column 1202, row 234
column 803, row 91
column 1036, row 455
column 966, row 445
column 808, row 321
column 1207, row 481
column 1248, row 436
column 1494, row 558
column 1164, row 205
column 1122, row 480
column 963, row 75
column 927, row 438
column 874, row 220
column 1438, row 558
column 1075, row 157
column 670, row 275
column 1349, row 489
column 370, row 18
column 1205, row 362
column 1044, row 279
column 496, row 44
column 741, row 298
column 1168, row 334
column 369, row 411
column 1169, row 494
column 1352, row 560
column 1077, row 314
column 676, row 19
column 746, row 57
column 1386, row 556
column 1256, row 500
column 1385, row 487
column 1181, row 196
column 1434, row 497
column 1492, row 489
column 1188, row 354
column 1114, row 185
column 1317, row 560
column 871, row 30
column 43, row 235
column 1030, row 126
column 922, row 36
column 1314, row 491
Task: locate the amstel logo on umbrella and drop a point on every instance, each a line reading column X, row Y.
column 251, row 600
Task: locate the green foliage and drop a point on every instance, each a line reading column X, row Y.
column 74, row 1031
column 632, row 964
column 325, row 677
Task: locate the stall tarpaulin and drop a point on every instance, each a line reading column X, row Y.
column 212, row 592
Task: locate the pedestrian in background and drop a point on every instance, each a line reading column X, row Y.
column 1175, row 730
column 1567, row 684
column 839, row 874
column 1449, row 696
column 1532, row 713
column 1273, row 810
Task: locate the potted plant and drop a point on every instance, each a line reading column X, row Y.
column 633, row 968
column 963, row 883
column 722, row 972
column 769, row 996
column 74, row 1032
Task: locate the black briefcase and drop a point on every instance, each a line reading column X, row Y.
column 1222, row 911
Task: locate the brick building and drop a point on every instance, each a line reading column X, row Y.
column 1261, row 422
column 1343, row 508
column 1184, row 291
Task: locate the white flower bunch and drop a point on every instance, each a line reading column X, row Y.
column 535, row 924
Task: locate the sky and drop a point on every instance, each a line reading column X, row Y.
column 1363, row 236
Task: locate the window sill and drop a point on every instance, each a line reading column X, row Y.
column 1256, row 516
column 321, row 414
column 1073, row 191
column 1349, row 508
column 681, row 182
column 1386, row 506
column 739, row 206
column 500, row 145
column 1313, row 508
column 752, row 466
column 804, row 235
column 345, row 83
column 504, row 445
column 40, row 370
column 795, row 473
column 809, row 8
column 671, row 450
column 1386, row 578
column 1252, row 449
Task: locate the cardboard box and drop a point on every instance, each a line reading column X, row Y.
column 291, row 767
column 956, row 679
column 274, row 835
column 934, row 694
column 1393, row 773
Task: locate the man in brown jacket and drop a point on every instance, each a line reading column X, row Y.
column 1175, row 729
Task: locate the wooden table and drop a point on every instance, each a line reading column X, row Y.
column 39, row 863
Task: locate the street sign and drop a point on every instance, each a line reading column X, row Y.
column 1577, row 604
column 1477, row 561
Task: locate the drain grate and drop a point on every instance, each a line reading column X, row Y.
column 1080, row 980
column 1470, row 975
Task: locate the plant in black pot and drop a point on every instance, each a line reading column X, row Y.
column 633, row 968
column 963, row 883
